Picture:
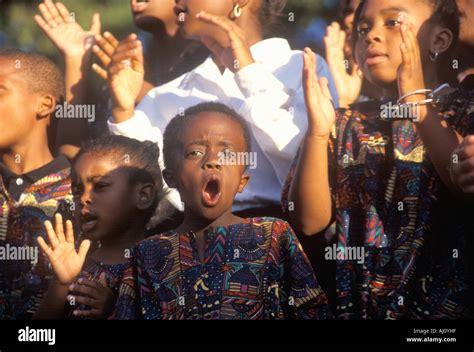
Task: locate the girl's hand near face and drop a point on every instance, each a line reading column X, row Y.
column 94, row 294
column 410, row 73
column 321, row 113
column 348, row 85
column 64, row 32
column 125, row 72
column 237, row 54
column 61, row 252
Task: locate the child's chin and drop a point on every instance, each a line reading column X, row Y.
column 381, row 79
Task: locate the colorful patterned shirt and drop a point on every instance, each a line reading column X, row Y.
column 23, row 282
column 92, row 271
column 390, row 202
column 252, row 270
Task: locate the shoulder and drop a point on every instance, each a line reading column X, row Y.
column 160, row 244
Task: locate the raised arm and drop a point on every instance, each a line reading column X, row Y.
column 75, row 44
column 310, row 193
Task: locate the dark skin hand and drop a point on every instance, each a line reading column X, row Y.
column 96, row 295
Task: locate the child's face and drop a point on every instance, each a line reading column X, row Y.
column 466, row 35
column 147, row 12
column 18, row 105
column 206, row 184
column 103, row 195
column 192, row 27
column 378, row 44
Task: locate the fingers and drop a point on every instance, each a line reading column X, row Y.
column 95, row 25
column 53, row 240
column 108, row 43
column 222, row 22
column 100, row 72
column 90, row 313
column 44, row 247
column 88, row 301
column 324, row 84
column 114, row 41
column 53, row 11
column 69, row 232
column 86, row 288
column 45, row 27
column 84, row 248
column 59, row 227
column 64, row 12
column 103, row 57
column 48, row 17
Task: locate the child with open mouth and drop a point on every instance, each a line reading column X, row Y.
column 216, row 265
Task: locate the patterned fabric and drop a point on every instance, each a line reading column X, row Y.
column 92, row 271
column 23, row 282
column 252, row 270
column 390, row 201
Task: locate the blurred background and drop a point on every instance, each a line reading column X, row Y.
column 18, row 29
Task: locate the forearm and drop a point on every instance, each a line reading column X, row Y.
column 71, row 132
column 440, row 141
column 54, row 302
column 310, row 192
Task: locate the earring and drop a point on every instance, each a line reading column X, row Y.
column 237, row 12
column 434, row 57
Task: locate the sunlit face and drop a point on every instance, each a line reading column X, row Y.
column 147, row 13
column 347, row 22
column 378, row 43
column 104, row 197
column 208, row 186
column 466, row 35
column 193, row 28
column 18, row 105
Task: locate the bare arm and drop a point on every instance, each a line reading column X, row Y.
column 310, row 192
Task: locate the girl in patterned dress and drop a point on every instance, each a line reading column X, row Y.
column 117, row 185
column 401, row 237
column 217, row 265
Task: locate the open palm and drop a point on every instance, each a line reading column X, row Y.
column 348, row 85
column 66, row 261
column 62, row 29
column 321, row 113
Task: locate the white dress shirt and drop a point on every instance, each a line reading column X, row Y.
column 268, row 94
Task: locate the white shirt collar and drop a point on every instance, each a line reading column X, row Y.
column 268, row 51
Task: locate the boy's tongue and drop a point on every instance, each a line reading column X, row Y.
column 211, row 193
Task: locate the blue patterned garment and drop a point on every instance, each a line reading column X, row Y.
column 252, row 270
column 389, row 201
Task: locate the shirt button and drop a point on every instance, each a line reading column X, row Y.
column 19, row 181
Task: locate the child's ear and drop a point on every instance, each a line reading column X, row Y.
column 46, row 106
column 442, row 41
column 169, row 178
column 146, row 193
column 243, row 182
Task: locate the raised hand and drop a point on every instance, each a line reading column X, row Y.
column 321, row 113
column 96, row 295
column 62, row 29
column 125, row 71
column 348, row 85
column 235, row 55
column 61, row 252
column 410, row 72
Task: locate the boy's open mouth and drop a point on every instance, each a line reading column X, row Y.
column 88, row 221
column 211, row 191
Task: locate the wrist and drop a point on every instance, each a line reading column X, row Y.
column 318, row 137
column 120, row 115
